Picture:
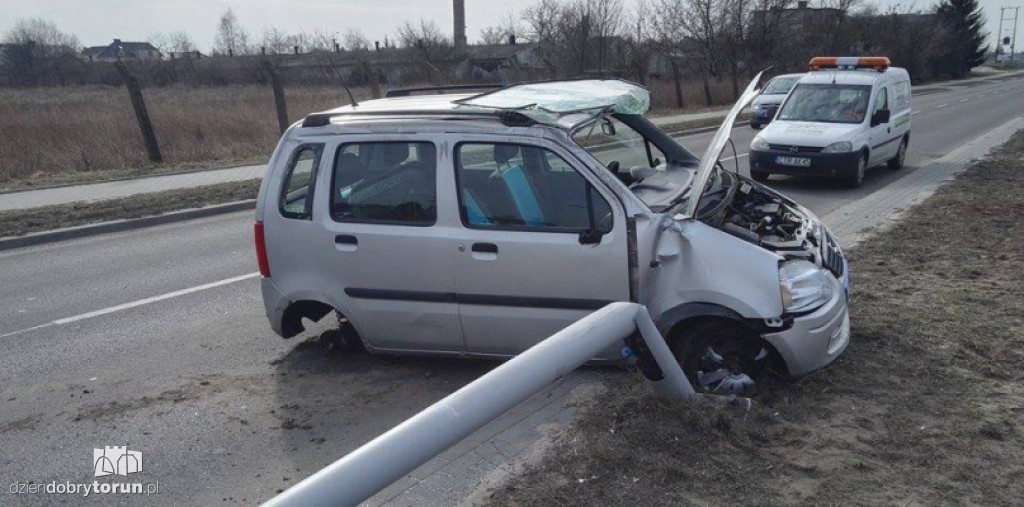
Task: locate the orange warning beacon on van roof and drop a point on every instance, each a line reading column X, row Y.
column 879, row 63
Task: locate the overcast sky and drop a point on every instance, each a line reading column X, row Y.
column 97, row 22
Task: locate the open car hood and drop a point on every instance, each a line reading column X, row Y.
column 716, row 146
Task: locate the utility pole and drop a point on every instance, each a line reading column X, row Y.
column 1008, row 40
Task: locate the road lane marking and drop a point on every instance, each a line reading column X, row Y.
column 963, row 100
column 915, row 112
column 741, row 155
column 941, row 105
column 134, row 304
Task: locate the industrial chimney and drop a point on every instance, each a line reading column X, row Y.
column 459, row 15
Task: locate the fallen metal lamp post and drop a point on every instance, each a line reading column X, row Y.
column 389, row 457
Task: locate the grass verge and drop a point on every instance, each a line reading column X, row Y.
column 21, row 222
column 924, row 408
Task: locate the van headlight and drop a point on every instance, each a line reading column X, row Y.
column 804, row 286
column 759, row 144
column 840, row 147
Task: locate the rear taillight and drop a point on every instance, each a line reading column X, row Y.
column 261, row 250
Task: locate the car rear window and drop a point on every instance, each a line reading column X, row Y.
column 296, row 199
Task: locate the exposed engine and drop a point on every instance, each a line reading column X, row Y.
column 773, row 222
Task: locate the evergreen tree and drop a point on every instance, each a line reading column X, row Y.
column 965, row 46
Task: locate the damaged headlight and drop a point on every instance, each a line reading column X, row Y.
column 804, row 286
column 759, row 144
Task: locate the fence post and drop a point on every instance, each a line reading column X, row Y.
column 279, row 101
column 141, row 114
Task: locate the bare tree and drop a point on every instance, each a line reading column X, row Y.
column 640, row 41
column 174, row 43
column 38, row 51
column 432, row 45
column 502, row 32
column 232, row 38
column 43, row 33
column 542, row 20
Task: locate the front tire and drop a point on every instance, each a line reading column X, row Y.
column 857, row 178
column 896, row 163
column 719, row 356
column 755, row 126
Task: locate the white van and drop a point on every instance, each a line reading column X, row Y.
column 846, row 115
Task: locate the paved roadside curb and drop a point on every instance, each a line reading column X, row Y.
column 82, row 231
column 873, row 212
column 179, row 172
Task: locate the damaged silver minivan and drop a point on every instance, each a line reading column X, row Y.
column 479, row 224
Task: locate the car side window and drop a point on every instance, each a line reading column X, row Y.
column 296, row 199
column 882, row 100
column 385, row 182
column 520, row 187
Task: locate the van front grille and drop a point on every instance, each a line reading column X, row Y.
column 799, row 149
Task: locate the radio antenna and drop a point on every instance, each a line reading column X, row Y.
column 350, row 97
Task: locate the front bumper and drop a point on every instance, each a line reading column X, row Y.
column 822, row 164
column 818, row 338
column 763, row 115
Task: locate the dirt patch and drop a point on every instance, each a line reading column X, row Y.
column 923, row 409
column 21, row 222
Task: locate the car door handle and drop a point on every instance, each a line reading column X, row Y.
column 485, row 248
column 346, row 242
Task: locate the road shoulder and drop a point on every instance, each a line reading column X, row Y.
column 923, row 407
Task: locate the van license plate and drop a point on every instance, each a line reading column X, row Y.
column 793, row 161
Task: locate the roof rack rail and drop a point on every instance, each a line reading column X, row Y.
column 405, row 92
column 509, row 118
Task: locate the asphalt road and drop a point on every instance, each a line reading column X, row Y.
column 156, row 339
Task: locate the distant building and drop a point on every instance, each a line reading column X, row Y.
column 121, row 50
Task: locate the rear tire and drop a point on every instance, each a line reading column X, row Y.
column 857, row 178
column 896, row 163
column 755, row 126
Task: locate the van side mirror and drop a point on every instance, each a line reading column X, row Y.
column 881, row 116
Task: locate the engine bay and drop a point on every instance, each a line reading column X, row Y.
column 769, row 221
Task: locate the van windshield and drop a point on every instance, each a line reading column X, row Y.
column 829, row 103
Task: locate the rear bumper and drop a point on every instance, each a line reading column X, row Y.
column 275, row 303
column 822, row 164
column 816, row 339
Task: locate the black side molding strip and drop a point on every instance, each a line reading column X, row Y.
column 402, row 295
column 883, row 143
column 477, row 299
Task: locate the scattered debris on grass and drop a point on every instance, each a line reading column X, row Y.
column 923, row 409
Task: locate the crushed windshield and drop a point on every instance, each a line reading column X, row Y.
column 780, row 85
column 830, row 103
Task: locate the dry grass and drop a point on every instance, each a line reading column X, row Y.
column 68, row 134
column 53, row 131
column 923, row 409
